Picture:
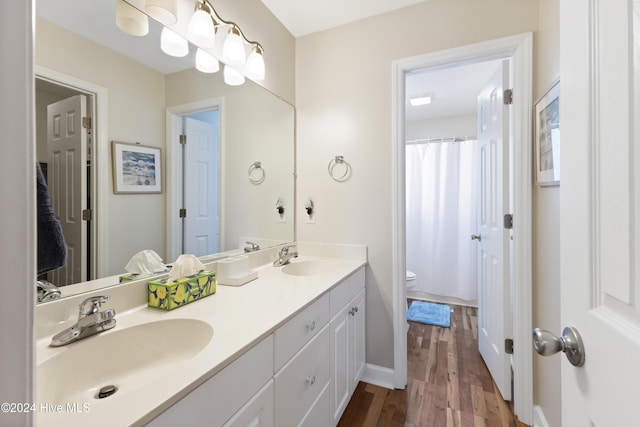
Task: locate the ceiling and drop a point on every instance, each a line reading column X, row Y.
column 453, row 90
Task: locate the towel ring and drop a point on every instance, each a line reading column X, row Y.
column 256, row 173
column 339, row 160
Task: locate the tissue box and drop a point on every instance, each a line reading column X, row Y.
column 168, row 294
column 133, row 276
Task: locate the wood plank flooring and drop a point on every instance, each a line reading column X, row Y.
column 448, row 383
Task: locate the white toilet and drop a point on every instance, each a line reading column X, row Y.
column 410, row 280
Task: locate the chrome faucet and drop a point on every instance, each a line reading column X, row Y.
column 47, row 291
column 252, row 247
column 286, row 253
column 90, row 322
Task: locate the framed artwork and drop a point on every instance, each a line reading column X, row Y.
column 136, row 168
column 547, row 137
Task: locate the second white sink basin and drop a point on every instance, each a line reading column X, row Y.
column 307, row 268
column 125, row 359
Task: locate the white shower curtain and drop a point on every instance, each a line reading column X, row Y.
column 441, row 198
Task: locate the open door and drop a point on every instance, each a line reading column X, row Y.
column 201, row 182
column 494, row 321
column 67, row 182
column 600, row 210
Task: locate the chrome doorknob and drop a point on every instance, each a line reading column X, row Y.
column 476, row 237
column 570, row 343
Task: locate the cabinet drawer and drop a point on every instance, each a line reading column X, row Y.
column 216, row 400
column 258, row 412
column 294, row 334
column 320, row 413
column 345, row 291
column 302, row 379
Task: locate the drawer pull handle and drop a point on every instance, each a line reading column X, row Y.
column 311, row 326
column 311, row 380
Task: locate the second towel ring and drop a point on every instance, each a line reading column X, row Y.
column 256, row 173
column 339, row 160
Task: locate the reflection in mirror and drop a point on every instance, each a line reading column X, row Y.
column 135, row 93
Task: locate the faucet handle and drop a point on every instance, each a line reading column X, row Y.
column 92, row 305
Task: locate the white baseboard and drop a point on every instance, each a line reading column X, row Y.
column 378, row 375
column 539, row 419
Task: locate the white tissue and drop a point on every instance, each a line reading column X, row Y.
column 145, row 262
column 185, row 265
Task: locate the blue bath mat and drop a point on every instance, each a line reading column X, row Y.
column 429, row 313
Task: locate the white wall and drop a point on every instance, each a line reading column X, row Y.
column 546, row 228
column 443, row 127
column 343, row 100
column 135, row 114
column 17, row 204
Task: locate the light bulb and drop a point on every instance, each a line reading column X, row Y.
column 205, row 62
column 164, row 11
column 201, row 27
column 233, row 48
column 131, row 20
column 173, row 44
column 255, row 64
column 232, row 77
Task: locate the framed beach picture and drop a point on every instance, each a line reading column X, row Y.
column 136, row 168
column 547, row 137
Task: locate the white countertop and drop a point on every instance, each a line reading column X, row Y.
column 240, row 316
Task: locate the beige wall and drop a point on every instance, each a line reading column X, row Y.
column 343, row 101
column 546, row 227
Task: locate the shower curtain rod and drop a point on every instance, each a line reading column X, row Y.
column 433, row 140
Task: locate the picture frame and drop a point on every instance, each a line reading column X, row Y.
column 547, row 137
column 137, row 169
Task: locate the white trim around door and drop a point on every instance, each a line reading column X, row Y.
column 519, row 49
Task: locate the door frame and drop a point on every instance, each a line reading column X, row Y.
column 518, row 48
column 100, row 168
column 174, row 116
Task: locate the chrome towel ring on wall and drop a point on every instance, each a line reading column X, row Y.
column 335, row 170
column 256, row 173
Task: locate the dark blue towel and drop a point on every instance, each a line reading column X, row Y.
column 52, row 251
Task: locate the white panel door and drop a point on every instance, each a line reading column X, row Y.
column 600, row 209
column 494, row 322
column 201, row 188
column 67, row 182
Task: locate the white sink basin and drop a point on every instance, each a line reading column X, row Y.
column 125, row 358
column 307, row 268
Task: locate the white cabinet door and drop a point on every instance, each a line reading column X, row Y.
column 257, row 412
column 347, row 353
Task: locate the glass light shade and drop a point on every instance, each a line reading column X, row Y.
column 173, row 44
column 255, row 65
column 164, row 11
column 201, row 28
column 206, row 63
column 233, row 48
column 131, row 20
column 232, row 77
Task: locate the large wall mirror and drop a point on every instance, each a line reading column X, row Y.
column 237, row 164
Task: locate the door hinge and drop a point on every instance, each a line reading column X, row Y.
column 508, row 97
column 508, row 221
column 183, row 213
column 508, row 345
column 86, row 122
column 183, row 139
column 87, row 215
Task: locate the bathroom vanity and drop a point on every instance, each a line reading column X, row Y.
column 285, row 349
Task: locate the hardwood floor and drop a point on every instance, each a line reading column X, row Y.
column 448, row 383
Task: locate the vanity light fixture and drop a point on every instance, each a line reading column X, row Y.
column 164, row 11
column 232, row 77
column 206, row 63
column 173, row 44
column 233, row 48
column 420, row 100
column 255, row 64
column 131, row 20
column 202, row 26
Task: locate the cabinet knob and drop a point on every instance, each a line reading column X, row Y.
column 311, row 326
column 311, row 380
